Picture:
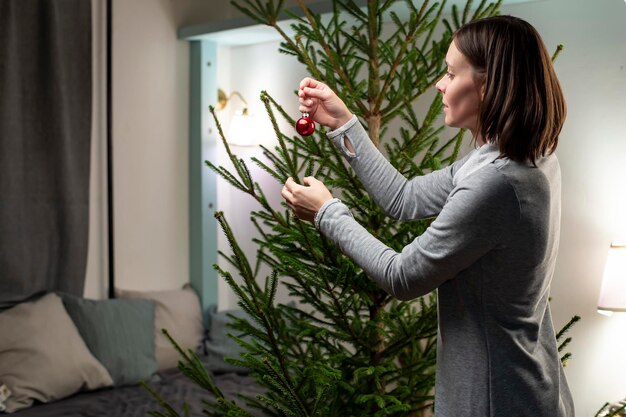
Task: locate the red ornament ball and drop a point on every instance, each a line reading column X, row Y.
column 305, row 126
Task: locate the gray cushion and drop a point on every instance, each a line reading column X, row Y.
column 120, row 333
column 42, row 356
column 219, row 345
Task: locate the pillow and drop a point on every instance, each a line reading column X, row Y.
column 119, row 333
column 219, row 345
column 177, row 311
column 42, row 356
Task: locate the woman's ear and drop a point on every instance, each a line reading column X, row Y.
column 480, row 81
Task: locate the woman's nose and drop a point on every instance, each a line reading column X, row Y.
column 440, row 86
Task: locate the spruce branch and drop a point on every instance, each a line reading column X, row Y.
column 557, row 52
column 337, row 163
column 191, row 366
column 608, row 410
column 566, row 342
column 331, row 55
column 251, row 300
column 240, row 258
column 283, row 147
column 414, row 25
column 266, row 14
column 567, row 327
column 169, row 410
column 244, row 182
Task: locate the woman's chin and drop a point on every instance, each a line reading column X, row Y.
column 449, row 121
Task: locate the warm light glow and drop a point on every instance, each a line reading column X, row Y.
column 613, row 292
column 244, row 130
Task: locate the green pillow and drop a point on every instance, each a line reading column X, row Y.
column 119, row 333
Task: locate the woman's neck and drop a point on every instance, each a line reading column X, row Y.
column 478, row 138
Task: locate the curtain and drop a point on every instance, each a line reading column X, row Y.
column 45, row 135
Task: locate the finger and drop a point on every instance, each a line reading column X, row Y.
column 307, row 109
column 309, row 82
column 304, row 83
column 284, row 193
column 306, row 101
column 311, row 181
column 316, row 93
column 306, row 105
column 286, row 190
column 292, row 188
column 289, row 184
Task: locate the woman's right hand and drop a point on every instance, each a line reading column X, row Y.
column 322, row 104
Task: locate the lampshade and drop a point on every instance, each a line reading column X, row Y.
column 244, row 130
column 613, row 291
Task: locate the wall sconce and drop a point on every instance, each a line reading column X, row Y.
column 223, row 99
column 243, row 126
column 613, row 292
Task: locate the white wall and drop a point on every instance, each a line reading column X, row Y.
column 150, row 117
column 279, row 76
column 97, row 259
column 150, row 151
column 150, row 135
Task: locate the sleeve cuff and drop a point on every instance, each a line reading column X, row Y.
column 340, row 130
column 320, row 212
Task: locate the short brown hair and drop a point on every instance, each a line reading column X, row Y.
column 523, row 108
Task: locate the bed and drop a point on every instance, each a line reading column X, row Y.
column 66, row 356
column 136, row 401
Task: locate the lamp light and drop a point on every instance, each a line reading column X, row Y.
column 243, row 130
column 613, row 291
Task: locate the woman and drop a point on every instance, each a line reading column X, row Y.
column 492, row 248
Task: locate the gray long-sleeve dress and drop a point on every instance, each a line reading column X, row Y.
column 490, row 252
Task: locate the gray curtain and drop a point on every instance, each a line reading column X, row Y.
column 45, row 134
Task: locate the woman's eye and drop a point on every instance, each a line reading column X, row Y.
column 450, row 75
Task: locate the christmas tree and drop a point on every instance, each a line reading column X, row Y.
column 344, row 347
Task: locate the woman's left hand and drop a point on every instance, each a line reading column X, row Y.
column 305, row 200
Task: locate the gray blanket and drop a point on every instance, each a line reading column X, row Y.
column 136, row 401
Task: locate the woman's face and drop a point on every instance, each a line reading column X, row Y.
column 462, row 91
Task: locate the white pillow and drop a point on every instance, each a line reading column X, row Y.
column 177, row 311
column 43, row 357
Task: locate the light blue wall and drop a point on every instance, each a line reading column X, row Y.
column 202, row 181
